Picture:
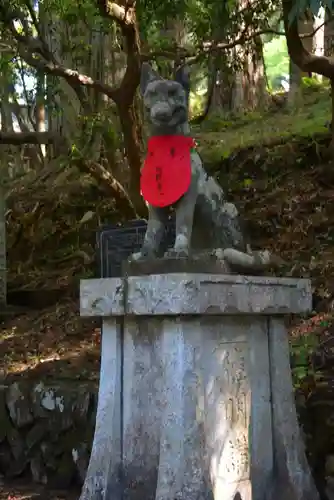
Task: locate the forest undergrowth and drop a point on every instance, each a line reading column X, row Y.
column 275, row 167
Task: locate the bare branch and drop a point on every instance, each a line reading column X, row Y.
column 213, row 47
column 19, row 138
column 119, row 13
column 73, row 77
column 206, row 48
column 33, row 16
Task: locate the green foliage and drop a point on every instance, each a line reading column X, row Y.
column 302, row 349
column 310, row 84
column 226, row 135
column 276, row 59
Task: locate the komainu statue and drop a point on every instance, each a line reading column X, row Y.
column 173, row 177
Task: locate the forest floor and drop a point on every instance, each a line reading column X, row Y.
column 20, row 490
column 273, row 165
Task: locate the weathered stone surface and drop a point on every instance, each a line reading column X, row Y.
column 36, row 434
column 16, row 443
column 199, row 416
column 293, row 478
column 18, row 404
column 197, row 293
column 46, row 425
column 80, row 407
column 193, row 398
column 80, row 455
column 213, row 265
column 38, row 469
column 102, row 477
column 5, row 456
column 174, row 294
column 50, row 455
column 65, row 472
column 109, row 300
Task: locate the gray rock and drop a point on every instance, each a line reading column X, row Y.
column 13, row 460
column 80, row 456
column 60, row 422
column 38, row 470
column 81, row 405
column 36, row 434
column 18, row 404
column 16, row 443
column 65, row 473
column 5, row 456
column 49, row 456
column 16, row 467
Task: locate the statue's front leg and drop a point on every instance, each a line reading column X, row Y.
column 157, row 221
column 184, row 212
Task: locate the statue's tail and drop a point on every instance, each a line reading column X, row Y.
column 252, row 261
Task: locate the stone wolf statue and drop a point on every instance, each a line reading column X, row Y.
column 205, row 221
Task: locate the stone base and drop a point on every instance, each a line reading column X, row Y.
column 208, row 261
column 196, row 397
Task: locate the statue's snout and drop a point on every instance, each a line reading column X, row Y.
column 161, row 112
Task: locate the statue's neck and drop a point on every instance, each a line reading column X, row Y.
column 182, row 129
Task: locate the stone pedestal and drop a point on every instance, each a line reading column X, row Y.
column 196, row 398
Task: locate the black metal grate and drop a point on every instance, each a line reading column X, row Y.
column 116, row 243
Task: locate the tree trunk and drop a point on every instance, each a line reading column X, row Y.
column 5, row 165
column 222, row 97
column 295, row 78
column 329, row 35
column 132, row 129
column 305, row 25
column 40, row 108
column 3, row 259
column 249, row 84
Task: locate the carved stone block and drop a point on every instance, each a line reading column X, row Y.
column 195, row 393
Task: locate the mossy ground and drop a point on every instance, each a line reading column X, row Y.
column 220, row 136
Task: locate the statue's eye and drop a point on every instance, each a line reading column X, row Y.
column 172, row 92
column 151, row 94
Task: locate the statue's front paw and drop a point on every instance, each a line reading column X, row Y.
column 142, row 255
column 177, row 253
column 135, row 256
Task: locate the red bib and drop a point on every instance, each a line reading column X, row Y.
column 166, row 174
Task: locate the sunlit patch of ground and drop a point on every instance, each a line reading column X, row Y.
column 54, row 342
column 21, row 490
column 220, row 136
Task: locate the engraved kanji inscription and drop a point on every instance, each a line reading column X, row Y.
column 234, row 403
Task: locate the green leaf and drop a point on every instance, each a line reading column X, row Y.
column 248, row 182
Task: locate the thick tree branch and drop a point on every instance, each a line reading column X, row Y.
column 36, row 53
column 124, row 13
column 213, row 47
column 19, row 138
column 306, row 61
column 73, row 77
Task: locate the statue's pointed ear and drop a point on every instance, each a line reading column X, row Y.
column 147, row 75
column 182, row 76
